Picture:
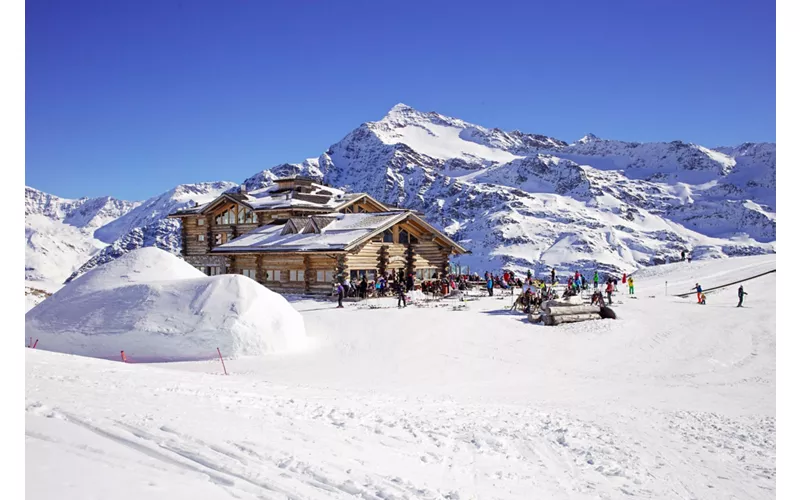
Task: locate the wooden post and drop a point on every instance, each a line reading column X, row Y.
column 260, row 269
column 307, row 273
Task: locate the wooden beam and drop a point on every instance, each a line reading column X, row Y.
column 307, row 273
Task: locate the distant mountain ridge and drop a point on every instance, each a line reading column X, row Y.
column 519, row 200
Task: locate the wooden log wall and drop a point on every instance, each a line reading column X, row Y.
column 190, row 230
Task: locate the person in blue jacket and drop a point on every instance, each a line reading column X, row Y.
column 699, row 291
column 490, row 285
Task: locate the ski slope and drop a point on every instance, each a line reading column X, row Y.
column 672, row 400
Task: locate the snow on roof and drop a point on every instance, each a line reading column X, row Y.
column 342, row 231
column 313, row 195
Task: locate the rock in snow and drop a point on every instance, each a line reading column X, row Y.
column 156, row 307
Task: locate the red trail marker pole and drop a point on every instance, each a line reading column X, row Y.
column 223, row 362
column 34, row 344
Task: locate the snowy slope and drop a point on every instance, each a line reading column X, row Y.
column 671, row 401
column 156, row 307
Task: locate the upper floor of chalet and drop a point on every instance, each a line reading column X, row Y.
column 287, row 198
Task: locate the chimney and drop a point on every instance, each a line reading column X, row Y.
column 243, row 189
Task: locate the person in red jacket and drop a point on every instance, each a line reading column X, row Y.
column 609, row 290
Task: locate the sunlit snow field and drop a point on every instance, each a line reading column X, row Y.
column 672, row 400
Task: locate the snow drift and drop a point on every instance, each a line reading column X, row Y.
column 156, row 307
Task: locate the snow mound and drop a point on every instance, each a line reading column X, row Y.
column 156, row 307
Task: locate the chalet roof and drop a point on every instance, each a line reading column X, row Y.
column 311, row 195
column 333, row 232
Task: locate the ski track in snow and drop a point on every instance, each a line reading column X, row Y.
column 673, row 400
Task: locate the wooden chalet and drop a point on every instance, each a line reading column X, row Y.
column 298, row 236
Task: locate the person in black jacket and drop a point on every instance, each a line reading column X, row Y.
column 399, row 289
column 362, row 288
column 742, row 293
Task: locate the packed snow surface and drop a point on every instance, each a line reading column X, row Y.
column 673, row 400
column 156, row 307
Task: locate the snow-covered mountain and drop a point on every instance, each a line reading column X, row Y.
column 147, row 225
column 59, row 234
column 64, row 236
column 525, row 201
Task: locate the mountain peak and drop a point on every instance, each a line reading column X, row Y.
column 588, row 138
column 400, row 108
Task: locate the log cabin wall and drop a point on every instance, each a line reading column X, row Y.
column 196, row 235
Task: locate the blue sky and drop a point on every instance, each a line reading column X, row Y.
column 130, row 98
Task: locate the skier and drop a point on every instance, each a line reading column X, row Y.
column 401, row 295
column 703, row 299
column 596, row 280
column 624, row 279
column 742, row 293
column 630, row 285
column 699, row 291
column 529, row 274
column 490, row 285
column 609, row 290
column 339, row 294
column 553, row 276
column 683, row 255
column 362, row 287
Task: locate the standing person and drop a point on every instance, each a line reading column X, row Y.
column 401, row 293
column 410, row 282
column 490, row 285
column 624, row 279
column 596, row 280
column 529, row 274
column 742, row 293
column 699, row 290
column 362, row 287
column 630, row 285
column 553, row 276
column 340, row 294
column 683, row 255
column 609, row 290
column 577, row 276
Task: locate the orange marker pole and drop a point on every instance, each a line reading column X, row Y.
column 223, row 362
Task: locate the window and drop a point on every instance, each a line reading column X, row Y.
column 414, row 240
column 388, row 237
column 403, row 237
column 426, row 273
column 213, row 270
column 297, row 275
column 325, row 276
column 357, row 274
column 201, row 237
column 273, row 274
column 201, row 221
column 250, row 273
